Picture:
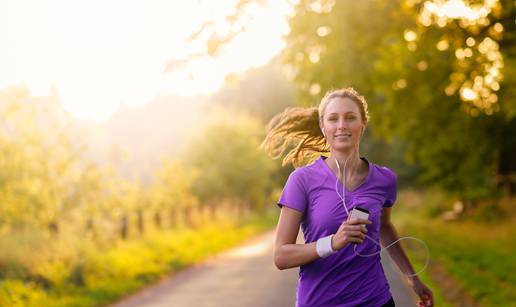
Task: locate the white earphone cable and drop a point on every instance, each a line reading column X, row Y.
column 343, row 197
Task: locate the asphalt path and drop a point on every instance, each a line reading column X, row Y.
column 243, row 276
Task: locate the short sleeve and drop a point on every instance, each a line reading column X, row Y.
column 392, row 189
column 294, row 194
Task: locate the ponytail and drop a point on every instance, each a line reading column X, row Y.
column 296, row 129
column 299, row 128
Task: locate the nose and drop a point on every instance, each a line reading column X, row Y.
column 342, row 125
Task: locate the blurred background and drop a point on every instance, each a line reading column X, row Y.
column 130, row 129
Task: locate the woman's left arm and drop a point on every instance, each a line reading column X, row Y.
column 388, row 234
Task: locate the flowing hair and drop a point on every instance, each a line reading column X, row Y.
column 298, row 128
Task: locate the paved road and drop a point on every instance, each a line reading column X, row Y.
column 244, row 276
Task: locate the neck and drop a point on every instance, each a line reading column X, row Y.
column 352, row 157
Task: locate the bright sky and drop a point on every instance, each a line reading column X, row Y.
column 99, row 54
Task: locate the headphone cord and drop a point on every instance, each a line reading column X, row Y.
column 343, row 197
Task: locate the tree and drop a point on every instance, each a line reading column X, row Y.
column 262, row 92
column 417, row 76
column 171, row 189
column 225, row 152
column 38, row 159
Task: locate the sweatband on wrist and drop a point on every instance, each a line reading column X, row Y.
column 323, row 247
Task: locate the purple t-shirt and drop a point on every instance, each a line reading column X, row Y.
column 341, row 279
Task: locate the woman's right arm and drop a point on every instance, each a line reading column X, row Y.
column 288, row 254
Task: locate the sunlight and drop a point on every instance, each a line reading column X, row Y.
column 250, row 251
column 99, row 55
column 441, row 12
column 458, row 9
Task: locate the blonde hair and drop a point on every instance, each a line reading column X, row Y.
column 299, row 128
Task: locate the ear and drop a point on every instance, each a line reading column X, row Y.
column 322, row 129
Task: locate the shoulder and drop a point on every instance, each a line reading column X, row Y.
column 385, row 173
column 306, row 174
column 301, row 173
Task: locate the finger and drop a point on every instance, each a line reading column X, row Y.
column 355, row 234
column 353, row 227
column 350, row 222
column 359, row 221
column 363, row 229
column 355, row 240
column 359, row 227
column 365, row 221
column 361, row 235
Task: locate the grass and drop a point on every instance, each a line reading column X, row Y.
column 471, row 259
column 477, row 257
column 99, row 276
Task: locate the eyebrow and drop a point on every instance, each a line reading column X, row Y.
column 344, row 113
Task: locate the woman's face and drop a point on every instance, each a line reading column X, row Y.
column 342, row 124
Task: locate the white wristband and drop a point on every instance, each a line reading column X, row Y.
column 323, row 247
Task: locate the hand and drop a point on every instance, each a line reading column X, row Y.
column 424, row 293
column 351, row 231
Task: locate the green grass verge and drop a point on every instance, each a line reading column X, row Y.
column 477, row 255
column 100, row 277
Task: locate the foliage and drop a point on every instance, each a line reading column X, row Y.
column 172, row 183
column 225, row 152
column 53, row 193
column 478, row 262
column 262, row 92
column 97, row 277
column 417, row 80
column 38, row 159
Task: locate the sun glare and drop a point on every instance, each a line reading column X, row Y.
column 98, row 55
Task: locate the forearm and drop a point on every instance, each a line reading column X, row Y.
column 388, row 234
column 293, row 255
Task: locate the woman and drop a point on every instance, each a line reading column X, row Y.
column 333, row 268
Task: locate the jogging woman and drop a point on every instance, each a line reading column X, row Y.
column 339, row 265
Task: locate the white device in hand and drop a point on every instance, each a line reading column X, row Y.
column 359, row 213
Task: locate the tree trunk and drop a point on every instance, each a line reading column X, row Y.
column 507, row 161
column 53, row 227
column 90, row 227
column 157, row 219
column 141, row 222
column 124, row 227
column 213, row 210
column 187, row 213
column 173, row 218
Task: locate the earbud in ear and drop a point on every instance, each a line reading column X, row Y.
column 322, row 130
